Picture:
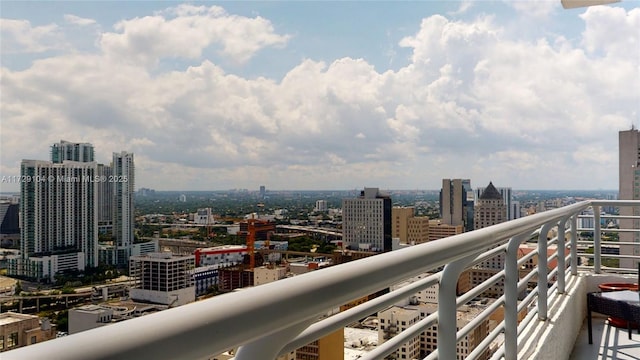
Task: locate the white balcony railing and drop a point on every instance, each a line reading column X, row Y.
column 275, row 318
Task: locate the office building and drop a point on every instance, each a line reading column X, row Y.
column 366, row 221
column 57, row 218
column 629, row 189
column 18, row 330
column 400, row 222
column 490, row 208
column 439, row 230
column 456, row 203
column 162, row 278
column 513, row 211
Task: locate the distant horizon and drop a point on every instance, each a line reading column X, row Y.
column 345, row 190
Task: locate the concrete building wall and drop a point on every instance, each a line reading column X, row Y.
column 452, row 199
column 88, row 317
column 265, row 275
column 399, row 222
column 418, row 230
column 629, row 189
column 18, row 330
column 163, row 278
column 366, row 222
column 172, row 298
column 439, row 230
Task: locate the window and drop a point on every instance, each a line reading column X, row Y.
column 33, row 339
column 12, row 340
column 1, row 342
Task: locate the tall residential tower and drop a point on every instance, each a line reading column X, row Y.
column 58, row 218
column 122, row 169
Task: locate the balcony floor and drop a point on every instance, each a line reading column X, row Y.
column 608, row 342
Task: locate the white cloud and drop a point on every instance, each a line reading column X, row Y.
column 612, row 31
column 539, row 9
column 471, row 103
column 77, row 20
column 186, row 31
column 463, row 8
column 19, row 36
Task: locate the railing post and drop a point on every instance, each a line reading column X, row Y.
column 597, row 258
column 268, row 347
column 543, row 271
column 511, row 279
column 561, row 256
column 574, row 244
column 447, row 308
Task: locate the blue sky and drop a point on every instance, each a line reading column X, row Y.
column 324, row 95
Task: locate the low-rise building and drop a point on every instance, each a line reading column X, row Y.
column 162, row 278
column 18, row 330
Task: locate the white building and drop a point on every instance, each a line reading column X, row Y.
column 123, row 171
column 88, row 317
column 57, row 216
column 162, row 278
column 321, row 206
column 203, row 217
column 366, row 221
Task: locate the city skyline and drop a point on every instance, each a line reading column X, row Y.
column 238, row 95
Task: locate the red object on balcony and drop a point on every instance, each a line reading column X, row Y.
column 606, row 287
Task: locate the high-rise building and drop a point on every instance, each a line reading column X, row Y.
column 263, row 191
column 629, row 189
column 366, row 221
column 507, row 197
column 66, row 150
column 122, row 169
column 104, row 199
column 490, row 208
column 456, row 205
column 57, row 218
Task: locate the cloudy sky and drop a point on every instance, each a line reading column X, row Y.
column 324, row 95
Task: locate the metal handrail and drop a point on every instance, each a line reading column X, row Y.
column 262, row 320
